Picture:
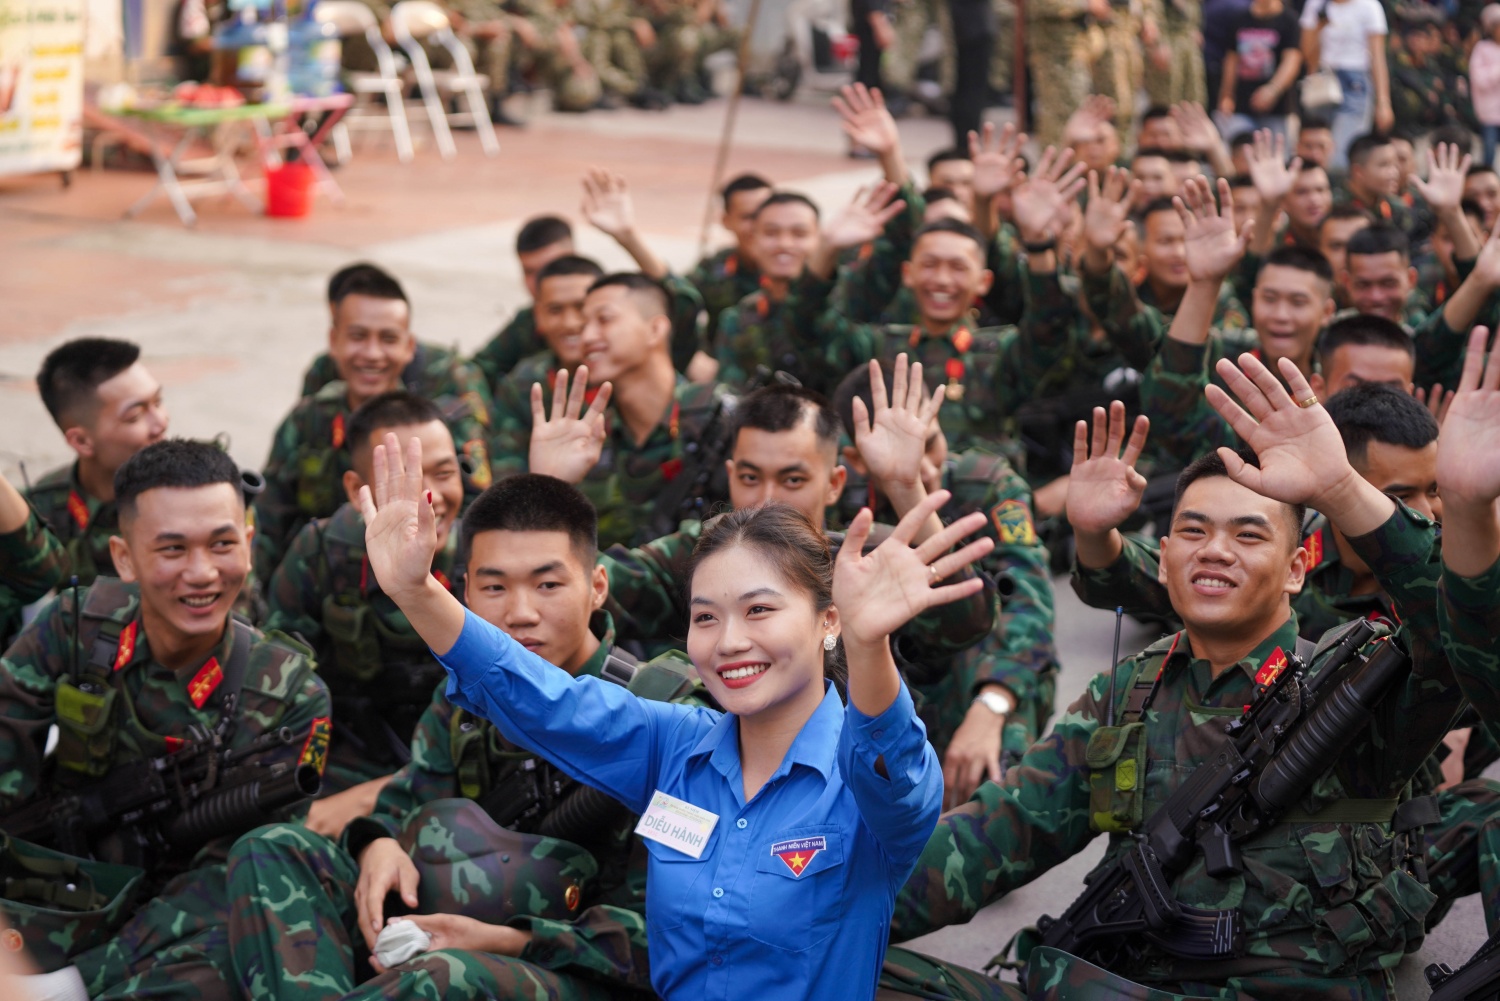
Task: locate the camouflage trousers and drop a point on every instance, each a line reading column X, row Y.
column 1120, row 68
column 1061, row 61
column 617, row 60
column 1183, row 79
column 293, row 924
column 1463, row 848
column 176, row 947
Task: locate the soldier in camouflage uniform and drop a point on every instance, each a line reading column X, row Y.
column 1061, row 59
column 1174, row 44
column 624, row 461
column 378, row 670
column 1324, row 911
column 540, row 241
column 566, row 923
column 726, row 276
column 372, row 344
column 1373, row 184
column 1429, row 89
column 613, row 45
column 32, row 561
column 998, row 694
column 108, row 407
column 130, row 670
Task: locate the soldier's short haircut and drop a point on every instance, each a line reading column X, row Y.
column 570, row 265
column 542, row 231
column 1363, row 330
column 367, row 281
column 1309, row 167
column 174, row 462
column 1380, row 238
column 1316, row 122
column 641, row 288
column 779, row 407
column 386, row 412
column 787, row 198
column 1245, row 137
column 1156, row 206
column 951, row 154
column 1241, row 181
column 342, row 275
column 1211, row 465
column 72, row 373
column 1479, row 168
column 1154, row 112
column 1300, row 258
column 740, row 184
column 1343, row 212
column 533, row 502
column 857, row 384
column 957, row 226
column 938, row 194
column 1149, row 151
column 1453, row 135
column 1363, row 146
column 1373, row 411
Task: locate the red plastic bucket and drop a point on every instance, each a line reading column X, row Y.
column 289, row 190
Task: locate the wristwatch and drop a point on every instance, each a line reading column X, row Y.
column 996, row 702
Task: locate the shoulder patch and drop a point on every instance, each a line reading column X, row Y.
column 315, row 747
column 1013, row 524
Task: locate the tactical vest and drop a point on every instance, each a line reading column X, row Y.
column 94, row 711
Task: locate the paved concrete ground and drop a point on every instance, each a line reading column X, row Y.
column 229, row 313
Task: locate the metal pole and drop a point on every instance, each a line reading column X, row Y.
column 1018, row 73
column 728, row 135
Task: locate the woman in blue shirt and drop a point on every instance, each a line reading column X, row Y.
column 779, row 832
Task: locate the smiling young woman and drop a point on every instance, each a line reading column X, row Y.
column 776, row 823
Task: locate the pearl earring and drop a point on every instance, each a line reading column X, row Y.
column 829, row 642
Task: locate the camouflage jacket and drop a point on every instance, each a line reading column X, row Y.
column 379, row 672
column 990, row 372
column 754, row 340
column 309, row 457
column 445, row 764
column 648, row 600
column 1134, row 322
column 1387, row 208
column 79, row 520
column 722, row 279
column 1019, row 649
column 629, row 478
column 32, row 562
column 504, row 351
column 1469, row 613
column 1428, row 96
column 153, row 709
column 430, row 365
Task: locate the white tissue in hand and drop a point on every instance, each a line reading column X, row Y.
column 400, row 941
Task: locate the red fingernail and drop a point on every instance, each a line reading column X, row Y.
column 429, row 496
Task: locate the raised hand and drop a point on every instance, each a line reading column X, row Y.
column 864, row 218
column 878, row 592
column 1468, row 462
column 1198, row 130
column 1436, row 401
column 1446, row 170
column 1104, row 488
column 1213, row 247
column 1040, row 200
column 568, row 445
column 865, row 119
column 400, row 530
column 1107, row 216
column 1487, row 264
column 997, row 159
column 607, row 204
column 893, row 440
column 1269, row 171
column 1302, row 457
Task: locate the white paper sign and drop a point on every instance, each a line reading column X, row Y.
column 677, row 824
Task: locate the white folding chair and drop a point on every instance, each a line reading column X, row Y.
column 350, row 17
column 414, row 20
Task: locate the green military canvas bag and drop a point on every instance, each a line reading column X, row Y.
column 59, row 905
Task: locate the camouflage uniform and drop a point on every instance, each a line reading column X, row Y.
column 377, row 668
column 32, row 562
column 1324, row 909
column 1120, row 70
column 1018, row 653
column 1181, row 24
column 610, row 45
column 1428, row 96
column 629, row 478
column 1387, row 208
column 571, row 91
column 910, row 20
column 722, row 279
column 1061, row 60
column 293, row 923
column 150, row 711
column 304, row 472
column 427, row 364
column 79, row 520
column 503, row 352
column 1470, row 618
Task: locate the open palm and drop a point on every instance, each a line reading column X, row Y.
column 1213, row 246
column 893, row 439
column 400, row 530
column 1104, row 487
column 569, row 444
column 1468, row 464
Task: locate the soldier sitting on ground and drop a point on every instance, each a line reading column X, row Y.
column 540, row 241
column 32, row 561
column 379, row 673
column 108, row 407
column 526, row 880
column 151, row 667
column 371, row 344
column 1231, row 561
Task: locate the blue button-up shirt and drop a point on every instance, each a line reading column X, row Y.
column 807, row 920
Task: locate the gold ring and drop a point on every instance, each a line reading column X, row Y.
column 1311, row 401
column 932, row 575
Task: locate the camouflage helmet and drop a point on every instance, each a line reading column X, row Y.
column 57, row 905
column 471, row 865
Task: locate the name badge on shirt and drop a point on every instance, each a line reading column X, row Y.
column 677, row 824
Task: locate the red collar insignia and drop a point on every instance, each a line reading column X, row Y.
column 126, row 647
column 338, row 430
column 205, row 682
column 799, row 853
column 1314, row 546
column 1272, row 668
column 963, row 340
column 79, row 509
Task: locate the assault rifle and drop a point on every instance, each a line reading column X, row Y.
column 1270, row 757
column 174, row 803
column 1476, row 980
